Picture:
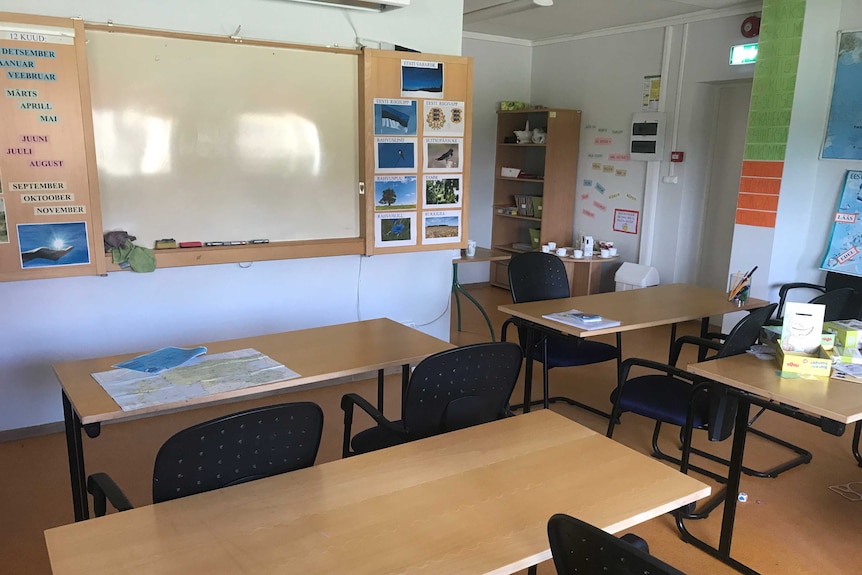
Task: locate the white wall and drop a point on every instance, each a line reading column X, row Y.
column 55, row 320
column 603, row 77
column 501, row 71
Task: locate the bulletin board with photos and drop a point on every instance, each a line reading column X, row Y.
column 417, row 167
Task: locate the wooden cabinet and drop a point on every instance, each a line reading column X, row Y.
column 547, row 178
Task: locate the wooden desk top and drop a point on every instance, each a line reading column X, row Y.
column 482, row 255
column 636, row 308
column 472, row 501
column 317, row 354
column 831, row 398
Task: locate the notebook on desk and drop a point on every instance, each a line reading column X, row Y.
column 582, row 320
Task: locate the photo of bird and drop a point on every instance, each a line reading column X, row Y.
column 447, row 155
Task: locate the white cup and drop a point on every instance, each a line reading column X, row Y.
column 561, row 252
column 577, row 254
column 471, row 248
column 552, row 245
column 546, row 248
column 605, row 253
column 612, row 251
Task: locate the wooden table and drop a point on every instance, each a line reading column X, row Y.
column 482, row 255
column 318, row 355
column 827, row 403
column 585, row 274
column 471, row 501
column 635, row 309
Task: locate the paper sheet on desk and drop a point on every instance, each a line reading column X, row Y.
column 162, row 359
column 200, row 377
column 847, row 371
column 571, row 317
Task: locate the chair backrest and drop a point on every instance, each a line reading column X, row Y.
column 237, row 448
column 745, row 333
column 836, row 302
column 853, row 308
column 535, row 276
column 578, row 547
column 461, row 387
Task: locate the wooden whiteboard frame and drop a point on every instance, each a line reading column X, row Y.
column 181, row 257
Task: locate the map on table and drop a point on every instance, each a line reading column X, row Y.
column 202, row 376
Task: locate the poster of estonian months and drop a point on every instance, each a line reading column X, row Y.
column 443, row 154
column 845, row 242
column 394, row 229
column 394, row 117
column 394, row 155
column 421, row 79
column 442, row 191
column 441, row 227
column 444, row 118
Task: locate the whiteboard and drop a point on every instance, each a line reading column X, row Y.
column 206, row 141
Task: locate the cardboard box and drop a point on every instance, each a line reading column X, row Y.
column 770, row 334
column 846, row 355
column 804, row 364
column 848, row 332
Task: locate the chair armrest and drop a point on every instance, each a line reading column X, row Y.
column 626, row 366
column 347, row 402
column 103, row 488
column 700, row 342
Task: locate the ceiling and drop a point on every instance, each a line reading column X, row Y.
column 575, row 17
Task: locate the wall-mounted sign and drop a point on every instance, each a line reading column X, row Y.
column 743, row 54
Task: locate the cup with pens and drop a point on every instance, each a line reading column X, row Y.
column 739, row 287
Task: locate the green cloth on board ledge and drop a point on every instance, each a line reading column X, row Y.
column 138, row 258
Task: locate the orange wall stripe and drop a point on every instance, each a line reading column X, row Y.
column 753, row 218
column 759, row 186
column 762, row 169
column 758, row 202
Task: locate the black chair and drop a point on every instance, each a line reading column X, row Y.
column 450, row 390
column 536, row 276
column 578, row 547
column 681, row 398
column 225, row 451
column 839, row 302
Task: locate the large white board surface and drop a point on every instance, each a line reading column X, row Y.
column 206, row 141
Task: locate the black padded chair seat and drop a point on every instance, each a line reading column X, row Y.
column 664, row 399
column 571, row 351
column 377, row 437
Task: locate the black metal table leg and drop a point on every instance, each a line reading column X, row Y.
column 722, row 553
column 380, row 383
column 405, row 379
column 857, row 430
column 528, row 370
column 75, row 448
column 704, row 330
column 670, row 346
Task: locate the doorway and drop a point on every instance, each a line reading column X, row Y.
column 728, row 147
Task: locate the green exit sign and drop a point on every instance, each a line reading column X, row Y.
column 743, row 54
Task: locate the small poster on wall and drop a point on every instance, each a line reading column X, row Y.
column 394, row 229
column 443, row 154
column 626, row 221
column 394, row 155
column 442, row 191
column 441, row 227
column 443, row 118
column 394, row 193
column 394, row 117
column 48, row 245
column 421, row 79
column 845, row 242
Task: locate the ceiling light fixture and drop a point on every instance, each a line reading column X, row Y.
column 505, row 9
